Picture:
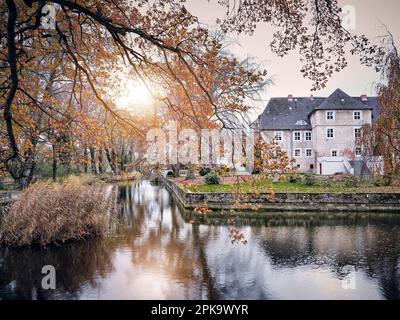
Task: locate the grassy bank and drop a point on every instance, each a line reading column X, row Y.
column 48, row 213
column 320, row 185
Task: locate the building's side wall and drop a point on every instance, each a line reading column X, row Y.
column 344, row 141
column 344, row 135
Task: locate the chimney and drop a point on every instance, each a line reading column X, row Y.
column 311, row 97
column 290, row 97
column 364, row 97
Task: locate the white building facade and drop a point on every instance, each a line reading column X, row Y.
column 321, row 134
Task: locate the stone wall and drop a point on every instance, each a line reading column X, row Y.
column 363, row 202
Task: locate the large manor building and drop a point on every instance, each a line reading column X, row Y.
column 320, row 133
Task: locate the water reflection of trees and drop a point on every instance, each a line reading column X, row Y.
column 161, row 241
column 75, row 263
column 154, row 234
column 198, row 261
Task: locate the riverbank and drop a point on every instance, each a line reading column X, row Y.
column 54, row 213
column 284, row 257
column 293, row 202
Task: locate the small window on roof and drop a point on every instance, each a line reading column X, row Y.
column 301, row 123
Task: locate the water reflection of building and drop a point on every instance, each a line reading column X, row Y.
column 157, row 255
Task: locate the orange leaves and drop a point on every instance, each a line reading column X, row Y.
column 203, row 209
column 271, row 159
column 236, row 235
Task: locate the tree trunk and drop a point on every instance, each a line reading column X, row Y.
column 14, row 162
column 190, row 175
column 85, row 156
column 101, row 170
column 122, row 159
column 111, row 160
column 175, row 169
column 29, row 164
column 54, row 163
column 27, row 170
column 93, row 165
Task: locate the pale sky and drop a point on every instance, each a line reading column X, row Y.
column 355, row 79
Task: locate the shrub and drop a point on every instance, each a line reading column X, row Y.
column 211, row 178
column 310, row 179
column 49, row 213
column 387, row 180
column 204, row 170
column 326, row 182
column 223, row 170
column 293, row 179
column 351, row 182
column 378, row 182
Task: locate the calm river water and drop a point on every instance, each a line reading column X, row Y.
column 159, row 255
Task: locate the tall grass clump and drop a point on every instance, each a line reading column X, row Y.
column 52, row 213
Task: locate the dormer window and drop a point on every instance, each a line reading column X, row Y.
column 330, row 115
column 357, row 115
column 301, row 123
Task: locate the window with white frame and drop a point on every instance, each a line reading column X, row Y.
column 334, row 153
column 358, row 151
column 330, row 133
column 297, row 136
column 308, row 153
column 297, row 153
column 357, row 115
column 308, row 136
column 278, row 135
column 330, row 115
column 357, row 133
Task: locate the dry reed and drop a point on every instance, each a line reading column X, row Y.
column 48, row 213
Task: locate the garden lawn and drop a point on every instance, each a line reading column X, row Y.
column 297, row 187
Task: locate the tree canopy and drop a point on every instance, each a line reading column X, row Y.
column 55, row 88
